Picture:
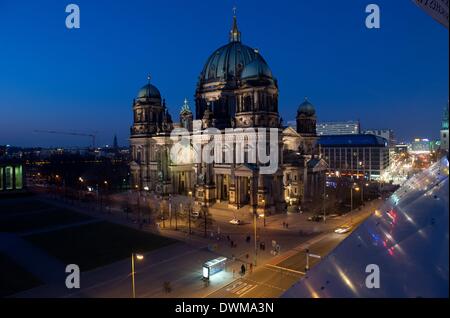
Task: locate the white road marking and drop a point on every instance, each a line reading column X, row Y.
column 285, row 269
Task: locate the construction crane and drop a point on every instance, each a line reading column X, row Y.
column 93, row 135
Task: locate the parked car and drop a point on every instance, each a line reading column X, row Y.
column 236, row 222
column 316, row 218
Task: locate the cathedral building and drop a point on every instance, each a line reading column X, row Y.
column 236, row 91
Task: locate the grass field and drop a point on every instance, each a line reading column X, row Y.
column 28, row 214
column 14, row 279
column 95, row 245
column 17, row 206
column 35, row 221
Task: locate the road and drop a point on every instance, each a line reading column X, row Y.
column 181, row 263
column 274, row 278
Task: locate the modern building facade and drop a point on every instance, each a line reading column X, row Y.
column 355, row 155
column 338, row 128
column 401, row 149
column 236, row 93
column 387, row 134
column 420, row 146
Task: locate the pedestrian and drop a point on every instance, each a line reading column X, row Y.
column 228, row 238
column 287, row 225
column 284, row 224
column 243, row 269
column 233, row 272
column 231, row 244
column 251, row 267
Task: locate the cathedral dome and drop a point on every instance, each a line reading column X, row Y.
column 257, row 69
column 306, row 108
column 229, row 61
column 149, row 91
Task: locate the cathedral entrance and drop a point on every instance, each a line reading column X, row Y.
column 182, row 188
column 243, row 191
column 225, row 193
column 222, row 187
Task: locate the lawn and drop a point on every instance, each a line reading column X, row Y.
column 17, row 206
column 14, row 279
column 35, row 221
column 98, row 244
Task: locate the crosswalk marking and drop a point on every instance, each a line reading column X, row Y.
column 240, row 288
column 243, row 290
column 286, row 269
column 248, row 290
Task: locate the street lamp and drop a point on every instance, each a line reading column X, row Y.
column 139, row 257
column 351, row 195
column 264, row 214
column 190, row 211
column 81, row 188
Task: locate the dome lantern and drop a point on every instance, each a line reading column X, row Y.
column 235, row 34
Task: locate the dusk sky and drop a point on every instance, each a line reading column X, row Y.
column 53, row 78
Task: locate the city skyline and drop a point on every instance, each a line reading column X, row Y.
column 61, row 83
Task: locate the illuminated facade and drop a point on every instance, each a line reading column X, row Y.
column 356, row 155
column 338, row 128
column 236, row 90
column 11, row 177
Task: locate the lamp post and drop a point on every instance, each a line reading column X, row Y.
column 351, row 195
column 324, row 198
column 254, row 201
column 138, row 257
column 254, row 228
column 81, row 188
column 190, row 212
column 102, row 196
column 363, row 181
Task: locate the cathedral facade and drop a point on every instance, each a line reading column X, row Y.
column 236, row 92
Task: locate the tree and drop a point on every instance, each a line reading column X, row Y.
column 206, row 219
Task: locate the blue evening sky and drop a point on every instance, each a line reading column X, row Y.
column 85, row 80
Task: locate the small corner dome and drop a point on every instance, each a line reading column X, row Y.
column 306, row 108
column 257, row 69
column 149, row 91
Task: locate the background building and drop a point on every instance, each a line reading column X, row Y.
column 420, row 146
column 401, row 149
column 338, row 128
column 355, row 155
column 387, row 134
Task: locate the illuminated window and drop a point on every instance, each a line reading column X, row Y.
column 9, row 178
column 18, row 175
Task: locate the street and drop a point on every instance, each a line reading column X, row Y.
column 180, row 265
